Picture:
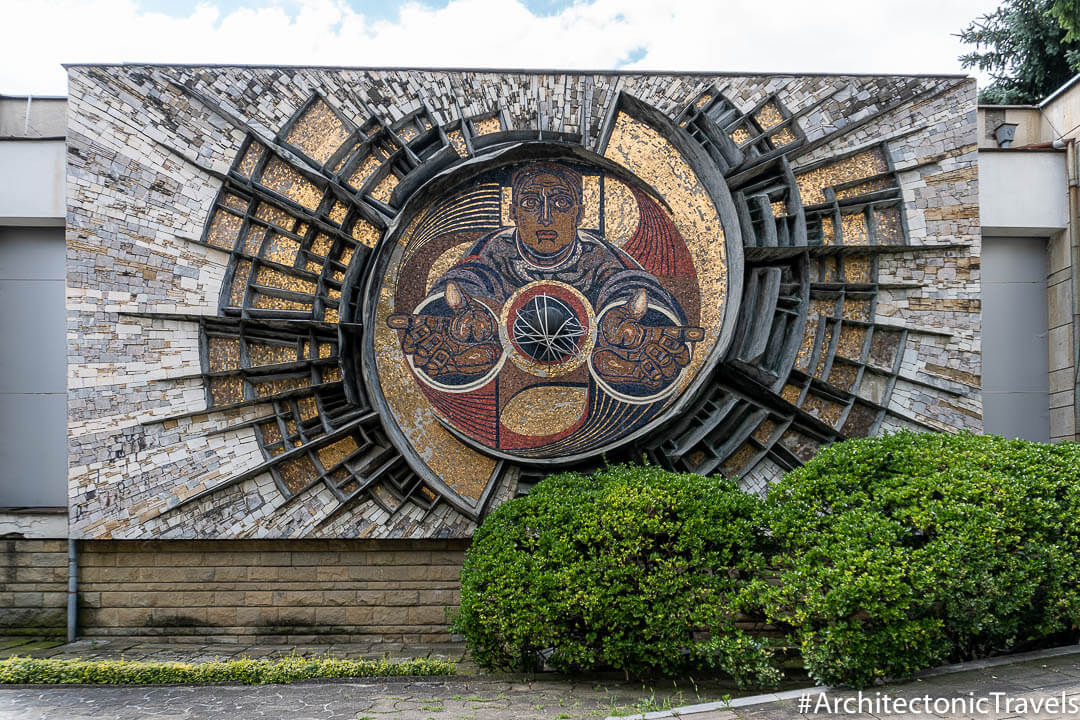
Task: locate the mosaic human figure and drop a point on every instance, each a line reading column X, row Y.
column 643, row 339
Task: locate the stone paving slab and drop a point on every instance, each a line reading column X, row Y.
column 1019, row 689
column 395, row 699
column 546, row 697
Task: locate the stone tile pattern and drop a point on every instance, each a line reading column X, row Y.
column 33, row 587
column 144, row 161
column 280, row 591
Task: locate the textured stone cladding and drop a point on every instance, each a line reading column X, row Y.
column 222, row 222
column 33, row 587
column 274, row 591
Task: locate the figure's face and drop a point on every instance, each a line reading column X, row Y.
column 546, row 211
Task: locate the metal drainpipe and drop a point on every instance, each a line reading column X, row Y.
column 1073, row 165
column 73, row 590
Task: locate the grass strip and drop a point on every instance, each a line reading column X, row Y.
column 50, row 671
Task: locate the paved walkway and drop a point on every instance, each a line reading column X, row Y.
column 1009, row 690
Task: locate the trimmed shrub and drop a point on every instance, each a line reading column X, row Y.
column 879, row 558
column 627, row 569
column 52, row 671
column 893, row 554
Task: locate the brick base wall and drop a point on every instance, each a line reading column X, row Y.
column 279, row 591
column 33, row 587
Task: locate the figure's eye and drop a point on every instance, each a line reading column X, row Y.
column 562, row 202
column 530, row 203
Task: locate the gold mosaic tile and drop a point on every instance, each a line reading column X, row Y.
column 857, row 269
column 806, row 348
column 263, row 354
column 823, row 307
column 282, row 178
column 864, row 164
column 487, row 126
column 854, row 229
column 740, row 135
column 828, row 231
column 281, row 249
column 457, row 141
column 544, row 410
column 268, row 302
column 224, row 229
column 843, row 376
column 365, row 233
column 313, row 267
column 239, row 283
column 274, row 215
column 791, row 394
column 337, row 213
column 825, row 410
column 364, row 170
column 888, row 226
column 385, row 188
column 703, row 100
column 254, row 238
column 407, row 133
column 274, row 387
column 331, row 315
column 782, row 137
column 251, row 158
column 321, row 244
column 823, row 357
column 308, row 408
column 739, row 460
column 325, row 350
column 271, row 433
column 235, row 202
column 769, row 116
column 856, row 309
column 269, row 277
column 297, row 473
column 226, row 390
column 318, row 132
column 851, row 341
column 345, row 256
column 863, row 188
column 335, row 453
column 764, row 431
column 224, row 353
column 778, row 208
column 331, row 374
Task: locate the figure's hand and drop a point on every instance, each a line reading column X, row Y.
column 462, row 344
column 642, row 354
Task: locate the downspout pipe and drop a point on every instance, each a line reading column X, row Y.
column 73, row 590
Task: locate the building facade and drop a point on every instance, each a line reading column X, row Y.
column 320, row 321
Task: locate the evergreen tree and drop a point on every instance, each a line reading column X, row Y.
column 1029, row 47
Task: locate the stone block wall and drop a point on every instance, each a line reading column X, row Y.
column 33, row 587
column 290, row 592
column 1059, row 285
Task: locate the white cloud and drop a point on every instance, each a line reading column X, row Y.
column 882, row 36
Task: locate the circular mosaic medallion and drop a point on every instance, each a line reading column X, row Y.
column 545, row 310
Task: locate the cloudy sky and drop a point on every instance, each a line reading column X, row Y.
column 877, row 36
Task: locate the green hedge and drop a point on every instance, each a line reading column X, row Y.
column 897, row 553
column 880, row 557
column 628, row 569
column 47, row 671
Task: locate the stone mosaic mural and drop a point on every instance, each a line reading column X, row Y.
column 359, row 303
